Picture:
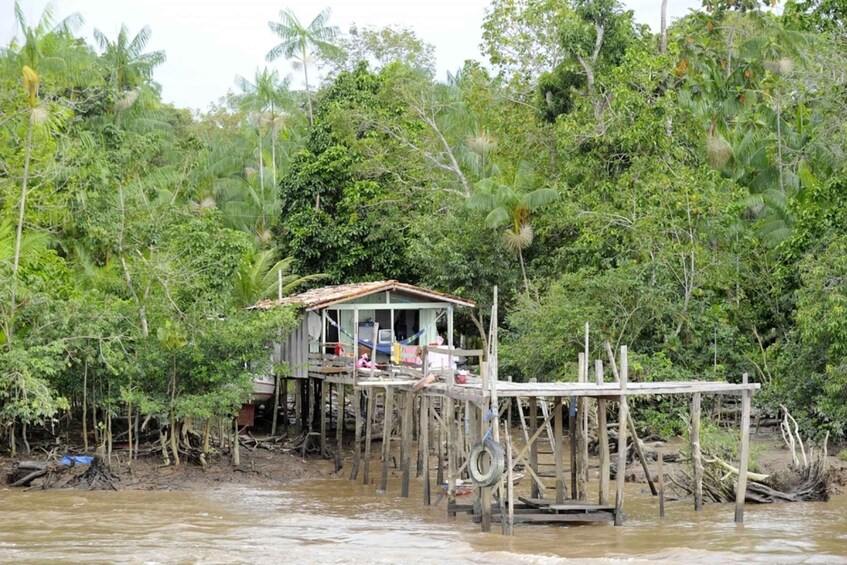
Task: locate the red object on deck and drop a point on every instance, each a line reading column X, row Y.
column 246, row 415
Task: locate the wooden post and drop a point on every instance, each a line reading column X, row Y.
column 310, row 411
column 276, row 407
column 581, row 463
column 369, row 422
column 449, row 416
column 510, row 484
column 622, row 418
column 533, row 447
column 602, row 437
column 406, row 446
column 357, row 450
column 298, row 405
column 423, row 447
column 572, row 441
column 386, row 437
column 322, row 411
column 283, row 400
column 558, row 450
column 696, row 455
column 485, row 492
column 744, row 453
column 340, row 400
column 631, row 423
column 661, row 486
column 439, row 474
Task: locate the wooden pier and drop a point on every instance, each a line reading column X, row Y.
column 438, row 426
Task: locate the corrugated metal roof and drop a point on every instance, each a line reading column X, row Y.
column 319, row 298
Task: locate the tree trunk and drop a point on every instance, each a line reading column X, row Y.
column 19, row 234
column 663, row 43
column 85, row 406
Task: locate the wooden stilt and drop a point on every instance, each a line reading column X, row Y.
column 696, row 454
column 298, row 405
column 276, row 407
column 484, row 493
column 744, row 454
column 310, row 411
column 283, row 401
column 386, row 437
column 423, row 448
column 369, row 422
column 510, row 483
column 449, row 417
column 558, row 449
column 533, row 449
column 580, row 464
column 419, row 421
column 661, row 486
column 602, row 438
column 572, row 442
column 620, row 475
column 357, row 448
column 442, row 438
column 339, row 424
column 406, row 445
column 322, row 412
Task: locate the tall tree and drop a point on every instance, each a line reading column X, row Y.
column 299, row 42
column 510, row 204
column 126, row 63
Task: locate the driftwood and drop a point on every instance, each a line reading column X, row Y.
column 806, row 478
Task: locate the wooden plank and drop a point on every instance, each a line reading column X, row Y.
column 386, row 437
column 581, row 508
column 744, row 454
column 549, row 518
column 696, row 455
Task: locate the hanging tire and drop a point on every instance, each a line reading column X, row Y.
column 489, row 477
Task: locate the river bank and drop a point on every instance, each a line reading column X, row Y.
column 261, row 467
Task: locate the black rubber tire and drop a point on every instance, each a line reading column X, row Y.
column 495, row 453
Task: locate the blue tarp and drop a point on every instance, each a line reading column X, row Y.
column 76, row 459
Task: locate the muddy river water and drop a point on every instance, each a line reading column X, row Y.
column 335, row 521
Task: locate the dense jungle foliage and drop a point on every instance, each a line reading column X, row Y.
column 683, row 192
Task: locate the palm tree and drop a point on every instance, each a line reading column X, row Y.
column 37, row 49
column 128, row 66
column 511, row 205
column 259, row 277
column 264, row 100
column 299, row 42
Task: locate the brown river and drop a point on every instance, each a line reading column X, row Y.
column 335, row 521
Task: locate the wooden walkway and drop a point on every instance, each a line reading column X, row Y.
column 436, row 427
